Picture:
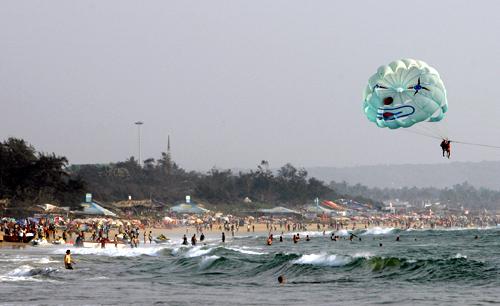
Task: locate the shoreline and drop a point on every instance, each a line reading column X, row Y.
column 176, row 233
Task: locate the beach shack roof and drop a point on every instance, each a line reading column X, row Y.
column 133, row 203
column 185, row 208
column 332, row 205
column 93, row 208
column 318, row 209
column 279, row 210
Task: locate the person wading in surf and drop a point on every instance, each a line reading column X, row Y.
column 68, row 262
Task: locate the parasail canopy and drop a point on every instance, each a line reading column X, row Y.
column 403, row 93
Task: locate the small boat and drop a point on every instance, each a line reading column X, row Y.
column 161, row 239
column 19, row 239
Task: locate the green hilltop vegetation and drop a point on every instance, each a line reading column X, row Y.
column 457, row 196
column 163, row 180
column 29, row 178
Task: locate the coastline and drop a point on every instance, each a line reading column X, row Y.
column 175, row 234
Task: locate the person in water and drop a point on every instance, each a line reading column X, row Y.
column 68, row 262
column 184, row 240
column 270, row 240
column 307, row 238
column 193, row 239
column 223, row 237
column 281, row 279
column 202, row 237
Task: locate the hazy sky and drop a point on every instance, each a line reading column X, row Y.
column 235, row 82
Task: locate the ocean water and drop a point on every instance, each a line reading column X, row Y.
column 426, row 267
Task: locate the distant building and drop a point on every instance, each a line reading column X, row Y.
column 389, row 208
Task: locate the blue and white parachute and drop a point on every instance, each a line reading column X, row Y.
column 403, row 93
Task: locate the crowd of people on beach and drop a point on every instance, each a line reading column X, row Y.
column 63, row 230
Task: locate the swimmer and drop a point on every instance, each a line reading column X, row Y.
column 380, row 244
column 281, row 279
column 397, row 238
column 270, row 239
column 307, row 238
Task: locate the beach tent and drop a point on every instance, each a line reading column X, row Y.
column 93, row 208
column 332, row 205
column 318, row 210
column 189, row 209
column 279, row 210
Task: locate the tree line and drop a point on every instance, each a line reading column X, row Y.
column 28, row 177
column 459, row 195
column 163, row 180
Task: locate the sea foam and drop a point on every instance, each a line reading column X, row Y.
column 114, row 252
column 378, row 231
column 322, row 260
column 197, row 251
column 206, row 261
column 26, row 273
column 245, row 251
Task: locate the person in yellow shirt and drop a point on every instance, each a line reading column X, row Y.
column 68, row 262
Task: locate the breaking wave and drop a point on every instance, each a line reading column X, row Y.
column 322, row 260
column 378, row 231
column 28, row 273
